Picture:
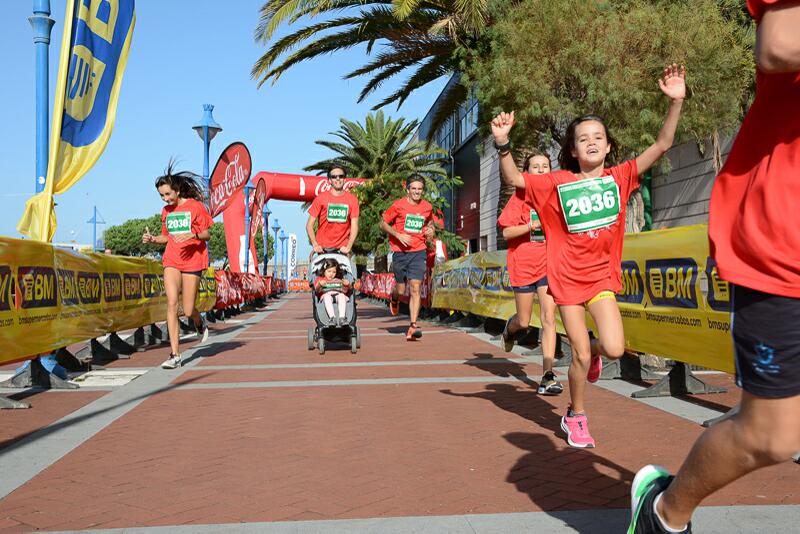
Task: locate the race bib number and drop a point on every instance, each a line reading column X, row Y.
column 589, row 204
column 337, row 213
column 179, row 222
column 536, row 235
column 413, row 223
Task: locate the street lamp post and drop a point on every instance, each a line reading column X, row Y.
column 247, row 189
column 265, row 232
column 207, row 129
column 42, row 25
column 284, row 259
column 275, row 227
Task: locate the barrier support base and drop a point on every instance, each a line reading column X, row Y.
column 143, row 337
column 629, row 367
column 727, row 415
column 35, row 375
column 679, row 381
column 10, row 404
column 98, row 352
column 211, row 317
column 69, row 361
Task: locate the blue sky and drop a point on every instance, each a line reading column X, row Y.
column 185, row 53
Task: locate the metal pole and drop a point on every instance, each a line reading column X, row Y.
column 42, row 25
column 247, row 190
column 275, row 255
column 265, row 235
column 94, row 230
column 206, row 143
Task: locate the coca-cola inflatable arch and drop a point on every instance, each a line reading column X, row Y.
column 226, row 196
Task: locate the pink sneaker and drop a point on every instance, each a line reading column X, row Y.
column 595, row 368
column 577, row 429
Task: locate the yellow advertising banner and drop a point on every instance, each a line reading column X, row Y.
column 673, row 303
column 52, row 297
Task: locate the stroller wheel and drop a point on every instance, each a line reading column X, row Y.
column 311, row 341
column 321, row 344
column 353, row 344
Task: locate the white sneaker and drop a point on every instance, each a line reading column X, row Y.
column 202, row 330
column 172, row 362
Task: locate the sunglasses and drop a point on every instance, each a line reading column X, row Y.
column 337, row 176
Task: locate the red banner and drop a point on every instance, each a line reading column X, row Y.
column 381, row 286
column 299, row 284
column 238, row 288
column 298, row 187
column 230, row 175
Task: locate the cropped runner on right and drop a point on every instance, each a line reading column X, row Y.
column 754, row 236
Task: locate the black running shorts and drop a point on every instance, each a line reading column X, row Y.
column 409, row 265
column 766, row 342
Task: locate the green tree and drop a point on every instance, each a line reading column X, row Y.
column 126, row 239
column 419, row 37
column 382, row 150
column 604, row 58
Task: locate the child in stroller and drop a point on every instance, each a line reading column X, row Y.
column 331, row 286
column 334, row 307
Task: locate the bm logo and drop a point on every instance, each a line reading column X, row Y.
column 632, row 285
column 38, row 287
column 719, row 291
column 672, row 283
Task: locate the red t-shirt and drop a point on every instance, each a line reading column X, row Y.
column 527, row 255
column 581, row 264
column 754, row 220
column 334, row 214
column 408, row 218
column 192, row 217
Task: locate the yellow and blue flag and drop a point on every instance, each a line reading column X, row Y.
column 94, row 51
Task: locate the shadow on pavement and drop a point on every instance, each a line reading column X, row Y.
column 501, row 367
column 10, row 444
column 212, row 349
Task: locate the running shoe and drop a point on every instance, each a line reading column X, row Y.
column 414, row 333
column 548, row 385
column 649, row 482
column 595, row 368
column 202, row 330
column 172, row 362
column 394, row 306
column 576, row 427
column 508, row 338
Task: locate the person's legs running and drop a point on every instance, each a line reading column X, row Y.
column 415, row 298
column 523, row 299
column 610, row 340
column 574, row 423
column 172, row 286
column 549, row 385
column 399, row 268
column 190, row 284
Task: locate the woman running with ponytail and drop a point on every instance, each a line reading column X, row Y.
column 527, row 271
column 185, row 228
column 582, row 209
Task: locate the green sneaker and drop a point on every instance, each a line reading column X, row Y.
column 649, row 482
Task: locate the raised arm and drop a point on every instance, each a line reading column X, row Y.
column 778, row 39
column 672, row 84
column 501, row 127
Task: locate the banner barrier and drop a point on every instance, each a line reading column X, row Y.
column 381, row 285
column 673, row 303
column 52, row 297
column 296, row 284
column 238, row 288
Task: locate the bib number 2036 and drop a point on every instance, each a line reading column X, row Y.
column 414, row 223
column 179, row 223
column 589, row 204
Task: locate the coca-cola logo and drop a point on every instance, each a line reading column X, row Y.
column 323, row 186
column 231, row 173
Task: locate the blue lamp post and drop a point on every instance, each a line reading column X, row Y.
column 275, row 227
column 247, row 189
column 42, row 25
column 284, row 259
column 207, row 129
column 267, row 213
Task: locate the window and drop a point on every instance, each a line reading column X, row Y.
column 468, row 118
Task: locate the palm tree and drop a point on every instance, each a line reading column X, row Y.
column 383, row 150
column 416, row 36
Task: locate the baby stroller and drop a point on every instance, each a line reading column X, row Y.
column 324, row 331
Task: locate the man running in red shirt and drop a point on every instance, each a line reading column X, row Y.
column 754, row 234
column 409, row 223
column 337, row 213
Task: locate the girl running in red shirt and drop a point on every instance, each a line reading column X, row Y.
column 527, row 271
column 185, row 228
column 582, row 209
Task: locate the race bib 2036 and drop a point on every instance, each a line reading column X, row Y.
column 589, row 204
column 337, row 213
column 413, row 223
column 179, row 222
